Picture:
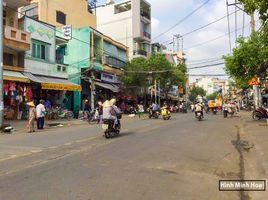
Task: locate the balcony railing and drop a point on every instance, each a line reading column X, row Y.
column 146, row 34
column 146, row 15
column 141, row 52
column 114, row 62
column 17, row 39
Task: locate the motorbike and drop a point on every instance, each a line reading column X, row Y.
column 214, row 111
column 227, row 110
column 153, row 114
column 109, row 129
column 260, row 113
column 199, row 115
column 59, row 113
column 165, row 113
column 93, row 116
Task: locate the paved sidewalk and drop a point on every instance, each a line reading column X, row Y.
column 20, row 126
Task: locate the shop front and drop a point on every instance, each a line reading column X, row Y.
column 58, row 91
column 17, row 92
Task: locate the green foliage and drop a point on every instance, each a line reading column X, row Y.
column 261, row 6
column 247, row 59
column 196, row 91
column 212, row 96
column 159, row 68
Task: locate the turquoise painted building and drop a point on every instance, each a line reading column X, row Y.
column 89, row 50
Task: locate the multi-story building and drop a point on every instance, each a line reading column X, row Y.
column 128, row 22
column 212, row 84
column 98, row 64
column 16, row 43
column 59, row 13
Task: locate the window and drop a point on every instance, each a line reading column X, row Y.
column 63, row 69
column 8, row 59
column 40, row 50
column 61, row 17
column 58, row 68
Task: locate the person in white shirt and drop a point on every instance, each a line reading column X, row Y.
column 40, row 114
column 110, row 110
column 199, row 106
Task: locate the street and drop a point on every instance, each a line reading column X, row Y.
column 151, row 159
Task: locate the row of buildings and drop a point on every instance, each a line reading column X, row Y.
column 67, row 51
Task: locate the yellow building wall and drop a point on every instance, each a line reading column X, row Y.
column 76, row 12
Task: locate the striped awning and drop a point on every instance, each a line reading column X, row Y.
column 15, row 76
column 53, row 83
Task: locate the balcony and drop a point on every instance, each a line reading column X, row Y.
column 17, row 3
column 17, row 39
column 140, row 52
column 146, row 34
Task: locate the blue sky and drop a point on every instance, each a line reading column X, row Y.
column 166, row 13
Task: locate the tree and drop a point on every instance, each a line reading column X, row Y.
column 196, row 91
column 261, row 6
column 158, row 68
column 170, row 74
column 133, row 81
column 247, row 60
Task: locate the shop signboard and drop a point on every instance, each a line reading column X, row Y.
column 109, row 78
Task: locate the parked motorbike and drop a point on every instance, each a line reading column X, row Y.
column 260, row 113
column 199, row 116
column 109, row 129
column 153, row 114
column 59, row 113
column 165, row 113
column 93, row 116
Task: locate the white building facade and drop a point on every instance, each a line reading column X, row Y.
column 211, row 85
column 128, row 22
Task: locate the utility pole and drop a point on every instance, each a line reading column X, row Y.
column 1, row 65
column 155, row 92
column 159, row 92
column 256, row 88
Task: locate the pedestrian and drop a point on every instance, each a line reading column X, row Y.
column 40, row 114
column 32, row 116
column 141, row 110
column 48, row 107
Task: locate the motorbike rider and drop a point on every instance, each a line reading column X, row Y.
column 199, row 106
column 110, row 111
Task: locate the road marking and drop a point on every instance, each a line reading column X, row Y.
column 36, row 151
column 52, row 147
column 85, row 140
column 67, row 144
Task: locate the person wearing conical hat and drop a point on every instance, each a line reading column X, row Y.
column 110, row 110
column 32, row 116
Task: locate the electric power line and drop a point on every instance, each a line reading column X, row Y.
column 208, row 41
column 201, row 27
column 205, row 66
column 182, row 20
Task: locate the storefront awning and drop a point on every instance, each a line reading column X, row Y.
column 15, row 76
column 112, row 87
column 51, row 83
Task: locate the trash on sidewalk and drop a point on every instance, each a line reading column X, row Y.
column 7, row 128
column 55, row 125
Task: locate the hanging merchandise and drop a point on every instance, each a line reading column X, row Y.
column 24, row 91
column 6, row 88
column 12, row 88
column 29, row 94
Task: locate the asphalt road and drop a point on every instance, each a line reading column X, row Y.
column 151, row 159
